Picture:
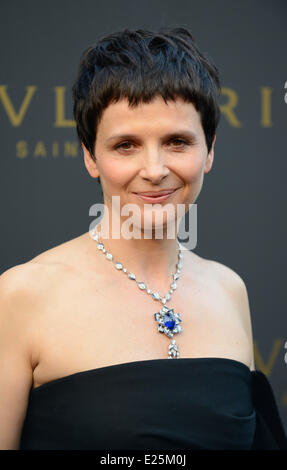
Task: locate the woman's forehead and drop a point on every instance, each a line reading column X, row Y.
column 119, row 117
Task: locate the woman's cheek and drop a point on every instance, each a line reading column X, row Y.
column 115, row 173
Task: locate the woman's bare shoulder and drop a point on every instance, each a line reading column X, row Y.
column 236, row 291
column 28, row 290
column 66, row 254
column 21, row 300
column 25, row 289
column 227, row 279
column 59, row 257
column 228, row 276
column 38, row 274
column 216, row 270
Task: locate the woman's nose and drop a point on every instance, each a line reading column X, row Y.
column 154, row 168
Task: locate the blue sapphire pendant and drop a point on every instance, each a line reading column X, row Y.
column 169, row 323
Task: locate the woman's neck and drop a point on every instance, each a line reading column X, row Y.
column 152, row 260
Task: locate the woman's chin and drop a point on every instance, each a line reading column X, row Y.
column 145, row 228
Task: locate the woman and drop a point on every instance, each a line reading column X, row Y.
column 87, row 327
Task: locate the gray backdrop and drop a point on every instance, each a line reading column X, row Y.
column 46, row 191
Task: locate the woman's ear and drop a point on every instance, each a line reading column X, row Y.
column 90, row 162
column 210, row 157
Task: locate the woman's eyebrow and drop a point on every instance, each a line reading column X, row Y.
column 180, row 133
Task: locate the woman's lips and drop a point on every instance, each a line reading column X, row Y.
column 153, row 197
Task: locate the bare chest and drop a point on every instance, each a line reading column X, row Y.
column 94, row 324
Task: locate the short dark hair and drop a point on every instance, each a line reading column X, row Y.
column 139, row 65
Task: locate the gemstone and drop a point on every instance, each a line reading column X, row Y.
column 104, row 250
column 119, row 265
column 165, row 309
column 109, row 256
column 100, row 246
column 149, row 291
column 142, row 285
column 131, row 276
column 173, row 351
column 176, row 276
column 124, row 270
column 96, row 237
column 163, row 300
column 179, row 264
column 169, row 320
column 173, row 285
column 156, row 295
column 168, row 296
column 180, row 255
column 173, row 354
column 171, row 291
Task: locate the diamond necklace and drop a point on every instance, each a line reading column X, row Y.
column 168, row 321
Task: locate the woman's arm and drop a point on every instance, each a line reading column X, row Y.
column 16, row 373
column 237, row 291
column 241, row 294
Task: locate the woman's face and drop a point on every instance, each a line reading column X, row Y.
column 150, row 147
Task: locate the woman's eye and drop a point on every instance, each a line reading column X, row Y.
column 128, row 145
column 180, row 142
column 122, row 145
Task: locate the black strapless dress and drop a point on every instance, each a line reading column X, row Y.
column 157, row 404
